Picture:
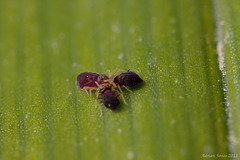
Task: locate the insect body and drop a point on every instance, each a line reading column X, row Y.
column 107, row 86
column 109, row 99
column 123, row 79
column 89, row 80
column 128, row 78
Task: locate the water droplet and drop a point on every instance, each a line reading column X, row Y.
column 130, row 155
column 176, row 81
column 119, row 130
column 172, row 122
column 74, row 64
column 115, row 28
column 120, row 56
column 140, row 39
column 132, row 30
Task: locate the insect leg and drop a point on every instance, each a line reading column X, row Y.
column 100, row 109
column 118, row 70
column 85, row 88
column 97, row 104
column 108, row 73
column 109, row 82
column 112, row 83
column 127, row 89
column 98, row 84
column 97, row 92
column 122, row 94
column 116, row 74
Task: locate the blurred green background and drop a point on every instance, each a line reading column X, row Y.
column 187, row 107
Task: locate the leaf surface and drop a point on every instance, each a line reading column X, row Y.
column 177, row 113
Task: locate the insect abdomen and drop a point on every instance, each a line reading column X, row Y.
column 110, row 100
column 128, row 79
column 87, row 79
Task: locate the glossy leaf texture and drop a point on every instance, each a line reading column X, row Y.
column 179, row 112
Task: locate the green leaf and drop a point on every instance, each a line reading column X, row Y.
column 228, row 44
column 179, row 112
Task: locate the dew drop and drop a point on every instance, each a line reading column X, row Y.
column 119, row 130
column 130, row 155
column 74, row 64
column 115, row 28
column 120, row 56
column 140, row 39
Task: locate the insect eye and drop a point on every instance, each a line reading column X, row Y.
column 101, row 77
